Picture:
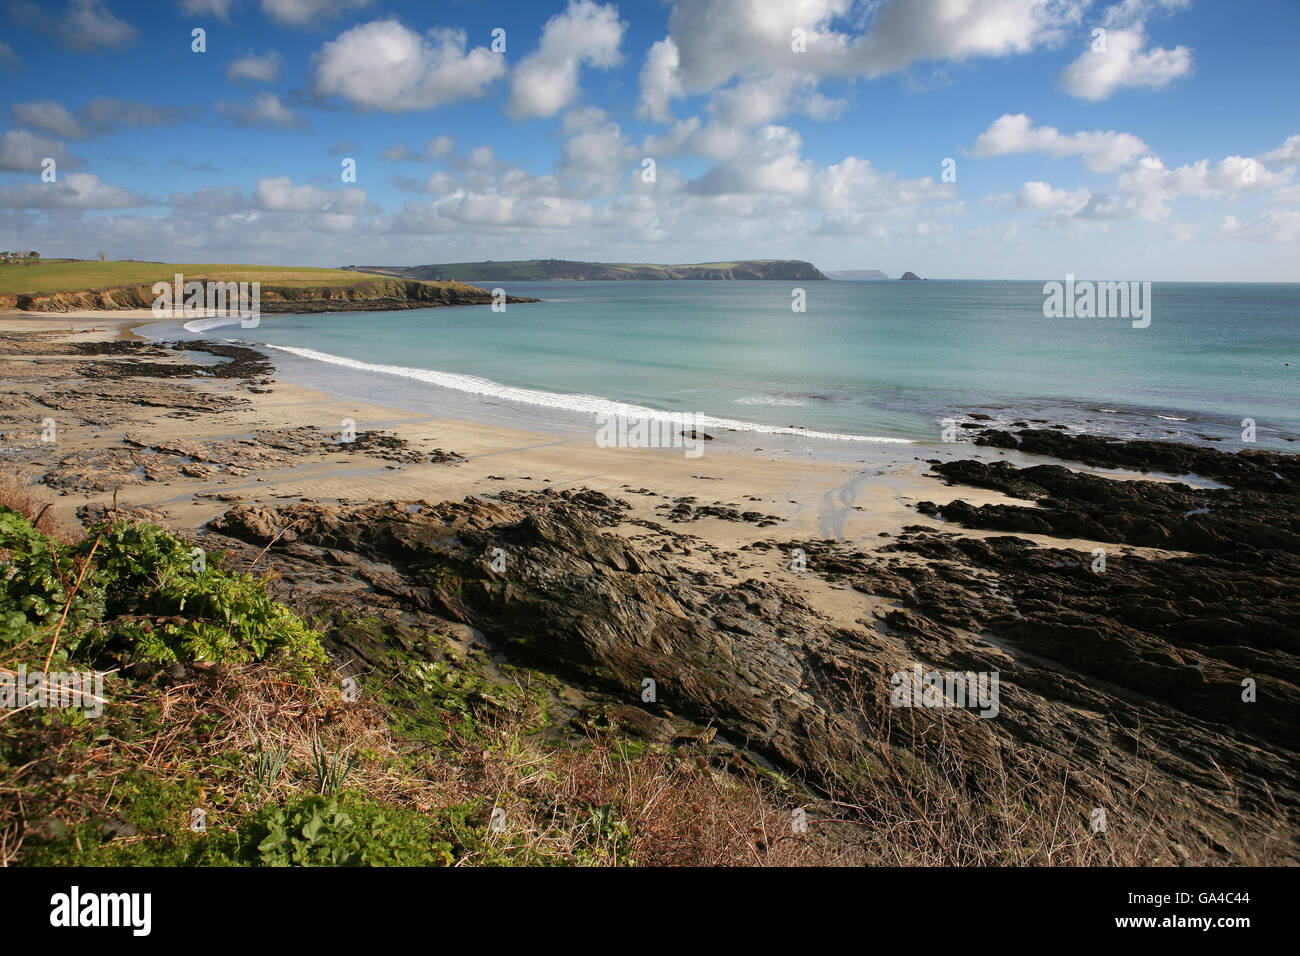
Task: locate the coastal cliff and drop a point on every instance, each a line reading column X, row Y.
column 369, row 295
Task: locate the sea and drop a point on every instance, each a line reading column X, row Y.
column 826, row 367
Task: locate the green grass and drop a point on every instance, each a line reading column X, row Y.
column 69, row 275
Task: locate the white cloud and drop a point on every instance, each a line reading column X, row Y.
column 383, row 65
column 1151, row 187
column 856, row 198
column 50, row 116
column 82, row 25
column 70, row 191
column 261, row 68
column 265, row 109
column 305, row 12
column 660, row 83
column 597, row 157
column 100, row 115
column 1288, row 152
column 1096, row 75
column 22, row 151
column 1101, row 151
column 279, row 194
column 1274, row 225
column 546, row 81
column 711, row 42
column 772, row 165
column 1041, row 195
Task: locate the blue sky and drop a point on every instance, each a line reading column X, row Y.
column 1165, row 147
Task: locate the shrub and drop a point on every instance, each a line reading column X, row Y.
column 145, row 599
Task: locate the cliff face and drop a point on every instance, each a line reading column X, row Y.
column 563, row 270
column 371, row 295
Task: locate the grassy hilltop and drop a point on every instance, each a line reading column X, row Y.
column 78, row 275
column 64, row 285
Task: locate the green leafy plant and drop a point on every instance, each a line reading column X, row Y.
column 35, row 583
column 144, row 599
column 320, row 831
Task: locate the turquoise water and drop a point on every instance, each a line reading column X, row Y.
column 884, row 359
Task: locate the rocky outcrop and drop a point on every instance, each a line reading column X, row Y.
column 1124, row 685
column 909, row 275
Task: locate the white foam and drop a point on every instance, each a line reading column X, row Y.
column 768, row 400
column 590, row 404
column 212, row 322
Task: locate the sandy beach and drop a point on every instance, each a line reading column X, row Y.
column 860, row 505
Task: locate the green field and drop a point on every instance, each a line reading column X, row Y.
column 70, row 275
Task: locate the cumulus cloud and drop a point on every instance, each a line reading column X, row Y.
column 711, row 42
column 1151, row 186
column 70, row 191
column 1041, row 195
column 7, row 55
column 49, row 116
column 385, row 66
column 1116, row 57
column 22, row 151
column 279, row 194
column 1100, row 151
column 857, row 198
column 1274, row 225
column 585, row 34
column 597, row 156
column 85, row 25
column 1288, row 152
column 100, row 115
column 265, row 109
column 305, row 12
column 660, row 81
column 258, row 67
column 1095, row 75
column 772, row 165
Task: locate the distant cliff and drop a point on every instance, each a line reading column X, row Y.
column 561, row 269
column 363, row 296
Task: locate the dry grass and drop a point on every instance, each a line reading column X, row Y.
column 601, row 800
column 19, row 492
